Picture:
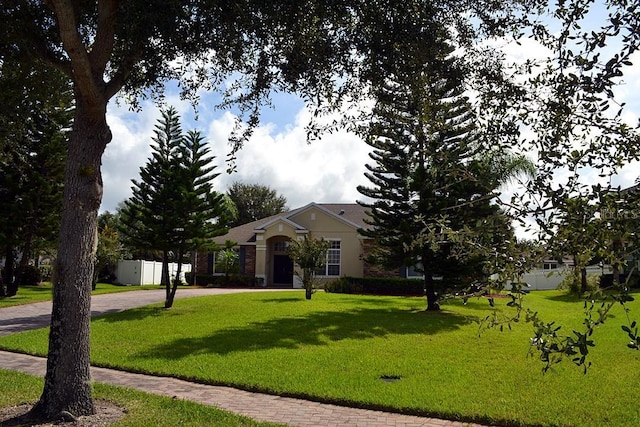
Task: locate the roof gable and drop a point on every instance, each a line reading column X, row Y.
column 351, row 214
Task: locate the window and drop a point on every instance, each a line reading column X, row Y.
column 226, row 261
column 550, row 266
column 280, row 246
column 415, row 271
column 332, row 261
column 332, row 264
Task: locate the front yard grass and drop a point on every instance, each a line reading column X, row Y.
column 42, row 292
column 142, row 409
column 348, row 349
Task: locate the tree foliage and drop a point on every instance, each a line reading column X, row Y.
column 174, row 207
column 433, row 181
column 110, row 249
column 567, row 109
column 254, row 202
column 327, row 51
column 310, row 255
column 34, row 121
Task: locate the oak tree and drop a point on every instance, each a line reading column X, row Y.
column 327, row 51
column 255, row 201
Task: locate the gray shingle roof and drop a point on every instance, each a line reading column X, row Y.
column 351, row 212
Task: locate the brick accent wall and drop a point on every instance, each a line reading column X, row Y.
column 250, row 261
column 202, row 263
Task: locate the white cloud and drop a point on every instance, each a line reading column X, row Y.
column 327, row 170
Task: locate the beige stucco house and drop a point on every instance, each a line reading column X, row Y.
column 262, row 244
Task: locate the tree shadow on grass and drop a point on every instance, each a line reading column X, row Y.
column 138, row 313
column 565, row 297
column 581, row 298
column 315, row 329
column 282, row 300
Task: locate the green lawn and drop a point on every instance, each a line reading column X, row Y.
column 142, row 409
column 29, row 294
column 337, row 347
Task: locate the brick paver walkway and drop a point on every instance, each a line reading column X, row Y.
column 262, row 407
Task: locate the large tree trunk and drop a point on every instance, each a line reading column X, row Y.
column 168, row 303
column 9, row 269
column 24, row 260
column 67, row 382
column 164, row 276
column 583, row 280
column 430, row 292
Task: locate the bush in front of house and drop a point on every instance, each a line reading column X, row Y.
column 393, row 286
column 215, row 281
column 31, row 276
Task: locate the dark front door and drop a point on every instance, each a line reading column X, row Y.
column 282, row 270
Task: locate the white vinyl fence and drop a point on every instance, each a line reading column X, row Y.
column 545, row 279
column 539, row 280
column 139, row 272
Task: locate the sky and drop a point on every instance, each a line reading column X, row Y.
column 278, row 155
column 327, row 170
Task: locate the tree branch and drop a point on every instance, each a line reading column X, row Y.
column 105, row 35
column 83, row 74
column 120, row 76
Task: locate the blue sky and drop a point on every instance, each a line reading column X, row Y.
column 327, row 170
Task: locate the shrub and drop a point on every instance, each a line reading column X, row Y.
column 31, row 276
column 574, row 285
column 393, row 286
column 232, row 281
column 45, row 272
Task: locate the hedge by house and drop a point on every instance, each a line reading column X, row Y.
column 215, row 281
column 392, row 286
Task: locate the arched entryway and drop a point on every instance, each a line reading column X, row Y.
column 281, row 264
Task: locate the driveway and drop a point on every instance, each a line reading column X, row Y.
column 38, row 315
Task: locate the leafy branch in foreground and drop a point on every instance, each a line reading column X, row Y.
column 566, row 109
column 549, row 342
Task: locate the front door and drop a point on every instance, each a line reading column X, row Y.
column 282, row 270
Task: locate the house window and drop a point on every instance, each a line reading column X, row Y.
column 415, row 272
column 332, row 264
column 550, row 266
column 280, row 246
column 225, row 262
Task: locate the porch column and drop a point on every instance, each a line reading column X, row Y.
column 261, row 259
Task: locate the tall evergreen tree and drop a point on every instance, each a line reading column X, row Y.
column 325, row 51
column 145, row 217
column 174, row 208
column 34, row 121
column 431, row 181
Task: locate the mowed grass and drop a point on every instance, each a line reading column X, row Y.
column 337, row 347
column 42, row 292
column 142, row 409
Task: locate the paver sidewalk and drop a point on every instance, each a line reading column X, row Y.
column 258, row 406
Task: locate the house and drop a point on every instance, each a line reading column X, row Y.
column 262, row 244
